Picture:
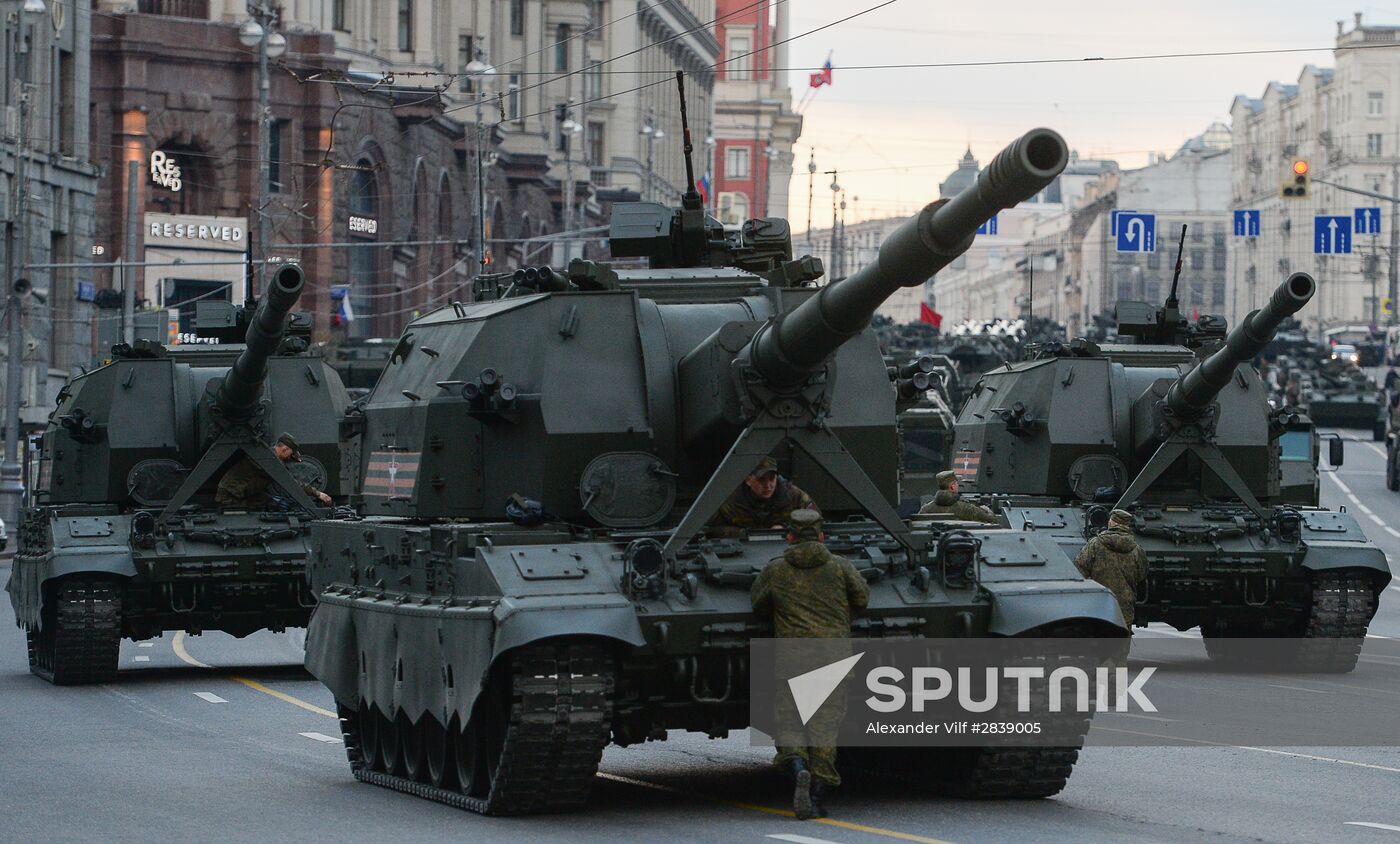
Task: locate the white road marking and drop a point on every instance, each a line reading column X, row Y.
column 1396, row 588
column 1378, row 636
column 209, row 697
column 1341, row 483
column 1367, row 510
column 177, row 644
column 1368, row 825
column 1298, row 688
column 321, row 737
column 799, row 839
column 1307, row 756
column 1392, row 531
column 1134, row 715
column 1377, row 449
column 140, row 659
column 145, row 644
column 1377, row 519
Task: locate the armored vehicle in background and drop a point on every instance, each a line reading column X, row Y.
column 925, row 420
column 359, row 360
column 125, row 539
column 535, row 576
column 1191, row 445
column 1344, row 396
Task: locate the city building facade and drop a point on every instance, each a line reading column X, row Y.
column 48, row 185
column 1341, row 121
column 755, row 127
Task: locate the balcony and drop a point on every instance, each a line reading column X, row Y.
column 198, row 9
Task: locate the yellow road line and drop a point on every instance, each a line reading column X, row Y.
column 178, row 645
column 772, row 810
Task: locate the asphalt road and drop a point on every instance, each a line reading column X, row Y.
column 214, row 738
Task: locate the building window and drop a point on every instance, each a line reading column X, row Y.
column 517, row 17
column 1198, row 259
column 513, row 97
column 364, row 255
column 1217, row 259
column 1373, row 145
column 733, row 208
column 405, row 25
column 274, row 155
column 338, row 15
column 561, row 46
column 1217, row 294
column 466, row 51
column 593, row 81
column 595, row 144
column 1375, row 180
column 1375, row 104
column 67, row 101
column 736, row 163
column 739, row 64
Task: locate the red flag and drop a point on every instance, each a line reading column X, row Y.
column 930, row 316
column 823, row 77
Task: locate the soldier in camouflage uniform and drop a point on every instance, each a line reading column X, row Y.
column 810, row 594
column 1114, row 560
column 949, row 501
column 763, row 501
column 245, row 483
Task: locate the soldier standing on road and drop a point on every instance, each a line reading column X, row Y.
column 245, row 483
column 765, row 500
column 949, row 501
column 810, row 594
column 1114, row 560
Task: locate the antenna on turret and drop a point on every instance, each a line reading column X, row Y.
column 690, row 200
column 1176, row 276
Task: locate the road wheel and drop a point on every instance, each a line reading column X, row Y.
column 411, row 754
column 467, row 759
column 370, row 738
column 390, row 749
column 437, row 752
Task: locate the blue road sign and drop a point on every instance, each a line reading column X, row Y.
column 1137, row 232
column 1247, row 222
column 989, row 227
column 87, row 291
column 1366, row 220
column 1113, row 221
column 1331, row 235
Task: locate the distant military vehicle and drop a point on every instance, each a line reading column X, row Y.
column 1344, row 396
column 925, row 421
column 359, row 360
column 125, row 539
column 535, row 576
column 1191, row 445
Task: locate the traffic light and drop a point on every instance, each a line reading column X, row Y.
column 1297, row 185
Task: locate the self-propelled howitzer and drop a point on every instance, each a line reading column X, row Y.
column 124, row 537
column 1189, row 442
column 538, row 470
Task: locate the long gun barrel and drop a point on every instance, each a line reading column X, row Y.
column 1193, row 392
column 241, row 388
column 787, row 351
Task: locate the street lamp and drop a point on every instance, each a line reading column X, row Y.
column 653, row 134
column 711, row 145
column 569, row 127
column 257, row 31
column 478, row 68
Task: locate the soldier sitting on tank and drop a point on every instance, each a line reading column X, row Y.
column 949, row 501
column 1114, row 560
column 765, row 500
column 810, row 593
column 245, row 484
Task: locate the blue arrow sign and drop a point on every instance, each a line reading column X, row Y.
column 989, row 227
column 1136, row 232
column 1331, row 235
column 1113, row 221
column 1247, row 222
column 1367, row 220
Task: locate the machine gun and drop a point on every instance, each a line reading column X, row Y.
column 234, row 406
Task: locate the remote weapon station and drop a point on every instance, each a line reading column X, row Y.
column 535, row 577
column 125, row 538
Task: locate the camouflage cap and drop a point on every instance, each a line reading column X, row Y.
column 1120, row 517
column 946, row 478
column 290, row 442
column 765, row 466
column 805, row 524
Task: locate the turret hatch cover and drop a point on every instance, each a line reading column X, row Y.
column 308, row 470
column 1094, row 472
column 154, row 482
column 627, row 489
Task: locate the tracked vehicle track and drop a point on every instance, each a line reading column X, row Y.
column 532, row 745
column 79, row 640
column 1342, row 606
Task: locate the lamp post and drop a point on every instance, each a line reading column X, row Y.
column 653, row 134
column 569, row 127
column 712, row 194
column 478, row 68
column 16, row 253
column 258, row 32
